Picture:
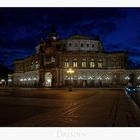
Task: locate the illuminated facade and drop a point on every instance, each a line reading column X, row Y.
column 92, row 66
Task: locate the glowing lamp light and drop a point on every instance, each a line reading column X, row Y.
column 34, row 79
column 99, row 78
column 2, row 80
column 29, row 79
column 49, row 80
column 138, row 78
column 9, row 80
column 21, row 80
column 89, row 77
column 126, row 78
column 107, row 78
column 25, row 79
column 70, row 71
column 80, row 77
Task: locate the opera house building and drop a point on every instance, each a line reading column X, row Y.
column 91, row 66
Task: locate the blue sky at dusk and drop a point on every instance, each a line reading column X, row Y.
column 22, row 28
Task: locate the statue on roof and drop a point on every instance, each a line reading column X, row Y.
column 52, row 34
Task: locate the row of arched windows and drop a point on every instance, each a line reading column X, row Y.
column 84, row 63
column 32, row 66
column 82, row 45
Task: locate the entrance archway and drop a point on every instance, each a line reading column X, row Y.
column 48, row 79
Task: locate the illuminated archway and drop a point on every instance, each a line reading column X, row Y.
column 48, row 79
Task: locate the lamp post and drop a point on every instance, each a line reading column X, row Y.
column 70, row 72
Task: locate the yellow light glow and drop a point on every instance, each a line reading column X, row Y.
column 70, row 71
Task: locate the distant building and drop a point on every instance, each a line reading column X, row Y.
column 92, row 66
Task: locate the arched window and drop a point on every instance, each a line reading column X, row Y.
column 84, row 63
column 100, row 63
column 69, row 44
column 52, row 59
column 32, row 65
column 92, row 63
column 75, row 63
column 48, row 79
column 82, row 44
column 66, row 63
column 36, row 65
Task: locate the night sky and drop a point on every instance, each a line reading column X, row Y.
column 22, row 28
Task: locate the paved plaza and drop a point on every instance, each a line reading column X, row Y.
column 32, row 107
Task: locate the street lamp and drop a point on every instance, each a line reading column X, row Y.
column 127, row 78
column 70, row 72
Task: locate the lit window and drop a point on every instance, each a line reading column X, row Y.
column 66, row 64
column 92, row 63
column 52, row 59
column 36, row 65
column 75, row 63
column 84, row 63
column 100, row 64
